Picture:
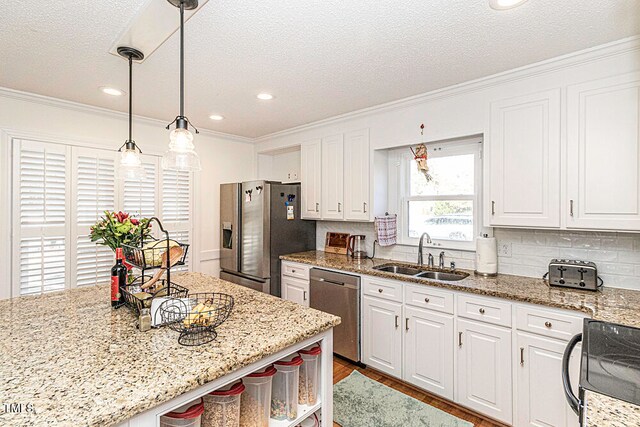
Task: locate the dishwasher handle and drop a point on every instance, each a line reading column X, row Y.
column 322, row 279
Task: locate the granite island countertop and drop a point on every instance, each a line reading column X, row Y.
column 80, row 362
column 609, row 304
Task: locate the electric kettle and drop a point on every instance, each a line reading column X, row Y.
column 356, row 247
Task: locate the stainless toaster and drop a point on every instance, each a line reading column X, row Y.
column 574, row 274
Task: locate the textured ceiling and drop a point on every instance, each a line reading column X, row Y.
column 319, row 58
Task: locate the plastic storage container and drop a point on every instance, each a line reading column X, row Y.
column 256, row 399
column 188, row 415
column 222, row 407
column 309, row 375
column 284, row 393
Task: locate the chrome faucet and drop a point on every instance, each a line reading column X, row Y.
column 421, row 244
column 430, row 260
column 441, row 260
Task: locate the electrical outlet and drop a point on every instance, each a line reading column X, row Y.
column 504, row 250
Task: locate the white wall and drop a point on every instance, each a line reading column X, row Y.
column 224, row 158
column 462, row 110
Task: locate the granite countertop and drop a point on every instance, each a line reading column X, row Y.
column 80, row 362
column 610, row 304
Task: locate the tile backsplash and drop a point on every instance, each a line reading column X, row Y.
column 525, row 252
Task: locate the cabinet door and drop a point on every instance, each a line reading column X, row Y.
column 382, row 336
column 310, row 175
column 484, row 369
column 332, row 177
column 428, row 351
column 356, row 176
column 540, row 399
column 295, row 290
column 603, row 136
column 524, row 169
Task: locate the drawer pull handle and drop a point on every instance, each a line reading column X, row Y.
column 459, row 339
column 380, row 290
column 521, row 356
column 481, row 311
column 426, row 300
column 397, row 318
column 304, row 295
column 548, row 324
column 406, row 324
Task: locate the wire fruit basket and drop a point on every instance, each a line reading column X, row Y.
column 197, row 316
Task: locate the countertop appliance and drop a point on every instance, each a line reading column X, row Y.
column 356, row 247
column 339, row 294
column 609, row 364
column 259, row 221
column 574, row 274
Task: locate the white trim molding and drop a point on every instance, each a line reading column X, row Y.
column 209, row 255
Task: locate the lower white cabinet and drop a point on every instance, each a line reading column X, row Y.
column 428, row 351
column 484, row 369
column 296, row 290
column 540, row 399
column 382, row 335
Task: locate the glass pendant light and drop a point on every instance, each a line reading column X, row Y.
column 130, row 162
column 181, row 155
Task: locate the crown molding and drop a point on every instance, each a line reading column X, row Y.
column 85, row 108
column 592, row 54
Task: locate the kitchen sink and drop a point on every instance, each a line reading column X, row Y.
column 399, row 269
column 442, row 275
column 448, row 276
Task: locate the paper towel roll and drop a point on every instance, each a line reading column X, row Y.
column 486, row 256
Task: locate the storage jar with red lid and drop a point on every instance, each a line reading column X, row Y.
column 222, row 406
column 188, row 415
column 309, row 378
column 284, row 393
column 256, row 400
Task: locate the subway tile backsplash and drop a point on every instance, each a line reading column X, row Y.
column 527, row 252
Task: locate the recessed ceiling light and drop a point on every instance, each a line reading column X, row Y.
column 265, row 96
column 111, row 91
column 505, row 4
column 215, row 117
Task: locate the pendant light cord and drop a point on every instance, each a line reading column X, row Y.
column 130, row 95
column 182, row 59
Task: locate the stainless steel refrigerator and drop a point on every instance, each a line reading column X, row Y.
column 259, row 221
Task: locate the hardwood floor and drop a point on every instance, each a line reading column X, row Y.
column 342, row 369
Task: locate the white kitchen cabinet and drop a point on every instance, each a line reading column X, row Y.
column 539, row 397
column 484, row 369
column 524, row 161
column 356, row 176
column 296, row 290
column 428, row 351
column 311, row 178
column 332, row 203
column 603, row 153
column 382, row 335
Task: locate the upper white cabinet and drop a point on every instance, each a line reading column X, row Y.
column 603, row 154
column 524, row 161
column 311, row 182
column 356, row 175
column 332, row 177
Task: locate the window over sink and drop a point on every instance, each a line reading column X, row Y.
column 447, row 205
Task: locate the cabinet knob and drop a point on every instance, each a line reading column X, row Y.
column 426, row 300
column 293, row 271
column 548, row 324
column 481, row 311
column 380, row 290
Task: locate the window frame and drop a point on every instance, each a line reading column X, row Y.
column 403, row 160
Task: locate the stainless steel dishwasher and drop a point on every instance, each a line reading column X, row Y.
column 339, row 294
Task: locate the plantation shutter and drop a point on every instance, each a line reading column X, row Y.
column 39, row 217
column 176, row 208
column 95, row 191
column 140, row 197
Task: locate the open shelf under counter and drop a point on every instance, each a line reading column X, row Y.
column 304, row 412
column 324, row 406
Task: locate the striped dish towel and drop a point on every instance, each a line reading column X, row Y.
column 387, row 229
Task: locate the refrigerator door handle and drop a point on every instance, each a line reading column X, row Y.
column 566, row 381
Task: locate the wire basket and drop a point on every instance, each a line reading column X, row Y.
column 137, row 298
column 197, row 316
column 150, row 253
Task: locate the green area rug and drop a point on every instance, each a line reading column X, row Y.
column 359, row 401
